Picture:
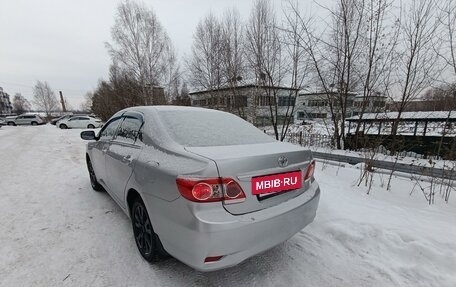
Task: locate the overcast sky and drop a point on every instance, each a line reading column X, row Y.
column 62, row 41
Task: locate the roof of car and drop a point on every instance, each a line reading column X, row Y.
column 167, row 108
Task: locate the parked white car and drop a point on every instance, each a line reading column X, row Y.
column 80, row 122
column 25, row 119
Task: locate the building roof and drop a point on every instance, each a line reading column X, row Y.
column 434, row 116
column 243, row 87
column 360, row 95
column 323, row 93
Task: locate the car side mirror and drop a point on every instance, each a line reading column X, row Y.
column 88, row 135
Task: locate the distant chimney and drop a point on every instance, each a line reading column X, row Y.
column 62, row 102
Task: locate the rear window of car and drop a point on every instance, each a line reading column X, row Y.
column 210, row 128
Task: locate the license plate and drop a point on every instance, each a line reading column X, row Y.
column 276, row 182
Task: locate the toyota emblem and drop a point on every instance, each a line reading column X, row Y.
column 283, row 161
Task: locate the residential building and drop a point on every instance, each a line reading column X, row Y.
column 5, row 104
column 314, row 105
column 251, row 102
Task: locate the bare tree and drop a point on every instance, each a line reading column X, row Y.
column 183, row 99
column 448, row 22
column 297, row 62
column 205, row 63
column 334, row 54
column 417, row 60
column 217, row 60
column 173, row 78
column 264, row 48
column 121, row 91
column 447, row 52
column 142, row 48
column 86, row 105
column 343, row 53
column 441, row 98
column 20, row 104
column 44, row 97
column 172, row 90
column 379, row 35
column 232, row 59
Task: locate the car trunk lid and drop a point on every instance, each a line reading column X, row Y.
column 246, row 162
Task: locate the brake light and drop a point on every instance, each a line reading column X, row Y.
column 310, row 171
column 202, row 191
column 210, row 189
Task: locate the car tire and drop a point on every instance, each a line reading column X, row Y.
column 11, row 124
column 90, row 126
column 147, row 241
column 63, row 126
column 34, row 123
column 93, row 178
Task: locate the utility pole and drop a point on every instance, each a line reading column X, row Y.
column 62, row 101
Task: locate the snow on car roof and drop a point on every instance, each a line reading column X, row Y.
column 174, row 108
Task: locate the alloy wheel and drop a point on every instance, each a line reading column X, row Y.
column 142, row 229
column 93, row 178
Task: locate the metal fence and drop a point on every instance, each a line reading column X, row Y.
column 326, row 141
column 421, row 170
column 308, row 139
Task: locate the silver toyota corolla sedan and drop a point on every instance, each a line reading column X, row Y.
column 204, row 186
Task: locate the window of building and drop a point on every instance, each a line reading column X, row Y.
column 360, row 104
column 212, row 101
column 379, row 104
column 240, row 101
column 200, row 103
column 262, row 100
column 317, row 103
column 317, row 115
column 286, row 101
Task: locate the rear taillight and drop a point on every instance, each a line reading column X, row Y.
column 310, row 171
column 210, row 189
column 202, row 191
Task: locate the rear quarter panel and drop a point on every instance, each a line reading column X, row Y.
column 156, row 171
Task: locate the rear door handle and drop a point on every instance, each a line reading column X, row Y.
column 127, row 159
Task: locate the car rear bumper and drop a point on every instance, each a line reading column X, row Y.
column 206, row 232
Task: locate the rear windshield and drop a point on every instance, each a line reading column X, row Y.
column 210, row 128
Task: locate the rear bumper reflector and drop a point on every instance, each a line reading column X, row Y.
column 212, row 259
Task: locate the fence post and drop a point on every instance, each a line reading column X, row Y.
column 300, row 138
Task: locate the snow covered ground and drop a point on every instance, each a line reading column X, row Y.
column 56, row 231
